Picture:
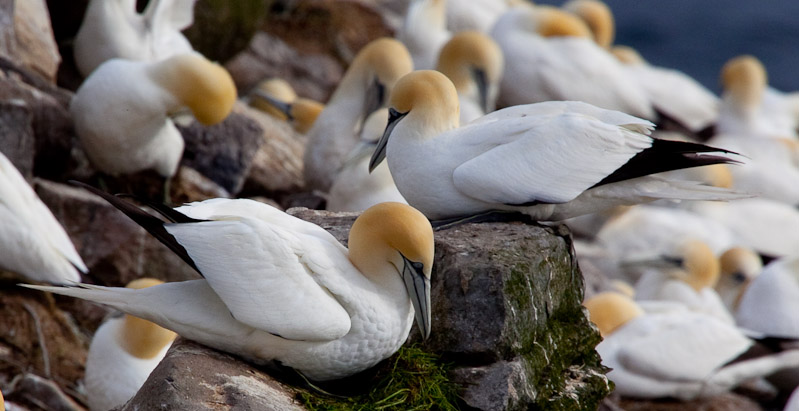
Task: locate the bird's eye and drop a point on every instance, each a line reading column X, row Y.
column 677, row 261
column 417, row 266
column 739, row 277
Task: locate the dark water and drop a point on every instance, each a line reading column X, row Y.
column 699, row 36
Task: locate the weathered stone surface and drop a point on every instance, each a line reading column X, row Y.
column 41, row 393
column 26, row 37
column 216, row 381
column 492, row 387
column 115, row 249
column 277, row 166
column 16, row 135
column 311, row 75
column 223, row 152
column 189, row 185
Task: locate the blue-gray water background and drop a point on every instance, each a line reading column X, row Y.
column 699, row 36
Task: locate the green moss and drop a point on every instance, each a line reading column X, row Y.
column 411, row 379
column 549, row 330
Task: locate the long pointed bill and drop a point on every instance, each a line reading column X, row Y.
column 380, row 150
column 284, row 107
column 418, row 286
column 482, row 88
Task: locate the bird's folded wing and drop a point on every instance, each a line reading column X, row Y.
column 169, row 14
column 550, row 159
column 256, row 270
column 682, row 350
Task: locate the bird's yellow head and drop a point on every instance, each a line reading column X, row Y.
column 627, row 55
column 553, row 22
column 304, row 113
column 468, row 51
column 278, row 89
column 141, row 338
column 610, row 310
column 745, row 78
column 700, row 264
column 399, row 235
column 206, row 88
column 429, row 94
column 597, row 15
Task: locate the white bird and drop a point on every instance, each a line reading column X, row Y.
column 687, row 278
column 739, row 266
column 122, row 354
column 363, row 89
column 678, row 354
column 424, row 31
column 749, row 107
column 277, row 288
column 550, row 160
column 550, row 55
column 272, row 97
column 673, row 93
column 770, row 303
column 474, row 63
column 355, row 188
column 480, row 15
column 32, row 242
column 122, row 110
column 114, row 29
column 768, row 227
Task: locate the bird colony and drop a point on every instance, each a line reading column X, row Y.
column 683, row 202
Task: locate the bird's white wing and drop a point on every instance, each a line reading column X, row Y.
column 548, row 158
column 19, row 199
column 170, row 14
column 682, row 347
column 267, row 275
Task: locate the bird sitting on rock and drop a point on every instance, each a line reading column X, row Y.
column 279, row 289
column 551, row 160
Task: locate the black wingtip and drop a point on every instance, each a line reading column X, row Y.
column 153, row 225
column 668, row 155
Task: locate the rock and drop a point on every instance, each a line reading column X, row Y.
column 41, row 393
column 115, row 249
column 189, row 185
column 223, row 28
column 311, row 75
column 216, row 381
column 37, row 338
column 26, row 37
column 277, row 166
column 223, row 152
column 16, row 135
column 723, row 402
column 490, row 387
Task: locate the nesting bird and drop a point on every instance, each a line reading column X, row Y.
column 770, row 302
column 550, row 55
column 739, row 266
column 114, row 29
column 424, row 31
column 474, row 63
column 550, row 160
column 277, row 288
column 276, row 98
column 123, row 353
column 677, row 354
column 32, row 242
column 122, row 111
column 363, row 89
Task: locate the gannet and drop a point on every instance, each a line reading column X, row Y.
column 122, row 354
column 355, row 188
column 550, row 160
column 749, row 107
column 599, row 18
column 32, row 242
column 770, row 303
column 122, row 110
column 474, row 63
column 688, row 278
column 279, row 289
column 301, row 113
column 363, row 89
column 272, row 88
column 424, row 31
column 673, row 93
column 480, row 15
column 739, row 266
column 113, row 29
column 550, row 55
column 679, row 354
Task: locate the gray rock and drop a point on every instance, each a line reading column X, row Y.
column 193, row 377
column 277, row 165
column 26, row 37
column 16, row 135
column 223, row 152
column 115, row 249
column 41, row 393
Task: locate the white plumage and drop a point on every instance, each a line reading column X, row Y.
column 113, row 29
column 279, row 288
column 770, row 303
column 32, row 242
